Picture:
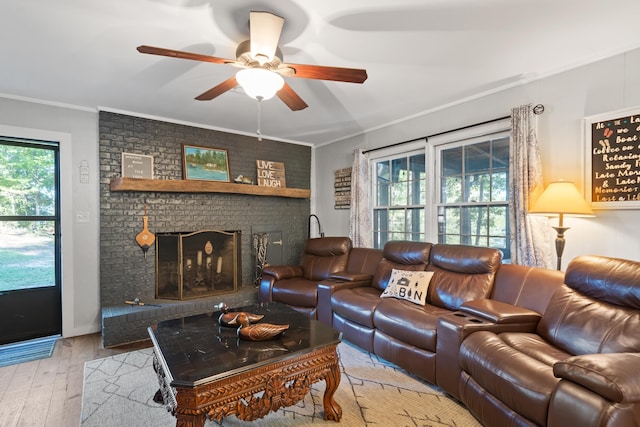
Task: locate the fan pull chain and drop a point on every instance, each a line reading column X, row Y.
column 259, row 98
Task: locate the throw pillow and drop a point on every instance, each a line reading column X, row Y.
column 409, row 285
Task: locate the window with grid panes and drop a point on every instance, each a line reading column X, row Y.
column 399, row 198
column 473, row 207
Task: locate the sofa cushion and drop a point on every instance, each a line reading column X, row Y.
column 534, row 346
column 297, row 292
column 356, row 304
column 364, row 260
column 579, row 324
column 612, row 280
column 323, row 256
column 521, row 382
column 410, row 323
column 401, row 255
column 461, row 273
column 409, row 285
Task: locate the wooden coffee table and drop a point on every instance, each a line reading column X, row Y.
column 205, row 370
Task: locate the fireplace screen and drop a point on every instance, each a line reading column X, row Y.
column 198, row 264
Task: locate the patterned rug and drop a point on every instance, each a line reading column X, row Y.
column 26, row 351
column 118, row 391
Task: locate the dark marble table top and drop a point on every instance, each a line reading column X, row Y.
column 197, row 349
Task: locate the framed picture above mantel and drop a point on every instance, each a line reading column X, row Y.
column 205, row 163
column 612, row 159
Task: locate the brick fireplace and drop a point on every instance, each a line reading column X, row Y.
column 125, row 272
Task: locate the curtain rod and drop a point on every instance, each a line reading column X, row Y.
column 537, row 110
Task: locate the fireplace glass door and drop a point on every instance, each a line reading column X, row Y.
column 198, row 264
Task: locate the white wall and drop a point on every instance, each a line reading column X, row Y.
column 608, row 85
column 76, row 130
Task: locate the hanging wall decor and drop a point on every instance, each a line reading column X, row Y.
column 612, row 160
column 342, row 189
column 204, row 163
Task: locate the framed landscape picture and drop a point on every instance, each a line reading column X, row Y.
column 204, row 163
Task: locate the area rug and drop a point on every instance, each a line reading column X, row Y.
column 26, row 351
column 118, row 391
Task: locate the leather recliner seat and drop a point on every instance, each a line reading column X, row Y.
column 297, row 286
column 401, row 331
column 579, row 367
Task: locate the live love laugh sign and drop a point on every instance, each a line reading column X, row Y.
column 270, row 174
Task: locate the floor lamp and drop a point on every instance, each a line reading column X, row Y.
column 561, row 198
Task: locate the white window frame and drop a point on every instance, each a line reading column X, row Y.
column 405, row 150
column 476, row 134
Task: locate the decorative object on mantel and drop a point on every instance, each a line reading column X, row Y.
column 612, row 163
column 230, row 318
column 241, row 179
column 561, row 198
column 145, row 238
column 342, row 189
column 137, row 166
column 270, row 174
column 205, row 163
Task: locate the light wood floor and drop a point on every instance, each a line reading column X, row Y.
column 48, row 392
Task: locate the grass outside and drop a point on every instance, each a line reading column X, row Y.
column 27, row 260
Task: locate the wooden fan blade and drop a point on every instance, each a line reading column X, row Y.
column 291, row 98
column 265, row 29
column 218, row 90
column 182, row 55
column 319, row 72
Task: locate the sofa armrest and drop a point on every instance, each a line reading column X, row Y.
column 473, row 316
column 346, row 276
column 500, row 312
column 326, row 288
column 280, row 272
column 614, row 376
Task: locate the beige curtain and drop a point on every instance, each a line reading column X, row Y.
column 530, row 234
column 360, row 228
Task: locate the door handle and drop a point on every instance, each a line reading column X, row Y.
column 277, row 242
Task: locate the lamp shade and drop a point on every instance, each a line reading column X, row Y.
column 561, row 197
column 259, row 83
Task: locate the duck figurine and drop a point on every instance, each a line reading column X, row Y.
column 258, row 332
column 230, row 318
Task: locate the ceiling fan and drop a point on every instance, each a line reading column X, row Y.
column 260, row 60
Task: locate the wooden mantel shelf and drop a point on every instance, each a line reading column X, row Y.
column 195, row 186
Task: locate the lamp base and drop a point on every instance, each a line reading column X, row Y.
column 560, row 242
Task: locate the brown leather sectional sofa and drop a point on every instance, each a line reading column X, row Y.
column 518, row 346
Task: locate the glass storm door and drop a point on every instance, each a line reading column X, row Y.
column 30, row 291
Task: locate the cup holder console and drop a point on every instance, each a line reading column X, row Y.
column 470, row 319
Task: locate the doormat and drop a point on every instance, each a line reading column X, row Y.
column 26, row 351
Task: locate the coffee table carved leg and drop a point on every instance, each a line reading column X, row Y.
column 332, row 410
column 187, row 420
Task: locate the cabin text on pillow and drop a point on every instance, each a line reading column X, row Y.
column 408, row 285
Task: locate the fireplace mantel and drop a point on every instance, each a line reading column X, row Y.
column 196, row 186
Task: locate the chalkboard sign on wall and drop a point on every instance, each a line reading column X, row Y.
column 613, row 159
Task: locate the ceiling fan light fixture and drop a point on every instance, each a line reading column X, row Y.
column 259, row 83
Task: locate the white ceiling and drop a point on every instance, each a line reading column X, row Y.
column 419, row 55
